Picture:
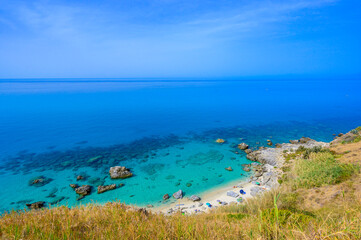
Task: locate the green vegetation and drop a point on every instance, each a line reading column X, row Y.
column 320, row 169
column 357, row 139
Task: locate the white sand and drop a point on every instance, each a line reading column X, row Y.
column 214, row 197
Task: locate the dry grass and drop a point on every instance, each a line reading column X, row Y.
column 285, row 213
column 271, row 217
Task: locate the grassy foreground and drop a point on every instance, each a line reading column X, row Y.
column 319, row 198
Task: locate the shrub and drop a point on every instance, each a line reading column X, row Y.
column 320, row 169
column 354, row 131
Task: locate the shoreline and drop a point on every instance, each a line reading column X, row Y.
column 266, row 169
column 210, row 196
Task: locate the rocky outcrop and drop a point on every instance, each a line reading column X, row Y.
column 178, row 195
column 305, row 139
column 83, row 190
column 229, row 169
column 105, row 188
column 274, row 156
column 36, row 205
column 243, row 146
column 120, row 172
column 195, row 198
column 248, row 151
column 347, row 138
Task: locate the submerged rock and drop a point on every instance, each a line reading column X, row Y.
column 120, row 172
column 229, row 169
column 39, row 181
column 178, row 195
column 94, row 159
column 105, row 188
column 203, row 158
column 269, row 143
column 36, row 205
column 243, row 146
column 57, row 200
column 83, row 190
column 166, row 197
column 153, row 168
column 96, row 181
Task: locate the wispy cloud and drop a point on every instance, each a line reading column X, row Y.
column 154, row 35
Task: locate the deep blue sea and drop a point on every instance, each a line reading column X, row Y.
column 164, row 131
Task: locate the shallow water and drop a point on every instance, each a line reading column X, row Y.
column 164, row 132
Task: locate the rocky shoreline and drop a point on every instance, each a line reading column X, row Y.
column 266, row 168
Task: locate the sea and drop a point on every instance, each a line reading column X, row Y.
column 163, row 130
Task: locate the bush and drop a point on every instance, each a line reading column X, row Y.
column 320, row 169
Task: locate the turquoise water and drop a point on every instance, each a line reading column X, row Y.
column 164, row 132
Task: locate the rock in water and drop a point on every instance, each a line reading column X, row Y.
column 105, row 188
column 74, row 186
column 178, row 195
column 83, row 190
column 229, row 169
column 248, row 151
column 220, row 140
column 120, row 172
column 35, row 205
column 246, row 169
column 195, row 198
column 79, row 178
column 242, row 146
column 269, row 143
column 166, row 197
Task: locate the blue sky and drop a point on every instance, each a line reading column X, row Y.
column 180, row 39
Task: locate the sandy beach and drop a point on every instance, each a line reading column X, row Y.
column 215, row 197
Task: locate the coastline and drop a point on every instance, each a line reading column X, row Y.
column 266, row 170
